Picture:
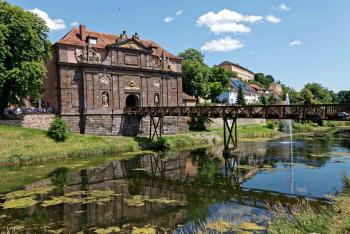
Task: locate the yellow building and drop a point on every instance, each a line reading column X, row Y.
column 242, row 72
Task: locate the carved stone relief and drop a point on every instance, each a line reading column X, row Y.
column 131, row 85
column 156, row 83
column 87, row 55
column 104, row 79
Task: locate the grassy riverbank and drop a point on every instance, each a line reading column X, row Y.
column 304, row 219
column 33, row 145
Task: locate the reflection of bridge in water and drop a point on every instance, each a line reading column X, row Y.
column 230, row 114
column 197, row 177
column 173, row 175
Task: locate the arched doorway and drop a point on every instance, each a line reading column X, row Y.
column 132, row 101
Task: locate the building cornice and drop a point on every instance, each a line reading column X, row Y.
column 119, row 68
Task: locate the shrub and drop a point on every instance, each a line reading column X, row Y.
column 271, row 124
column 58, row 130
column 199, row 124
column 160, row 144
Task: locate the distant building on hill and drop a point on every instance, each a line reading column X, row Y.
column 242, row 72
column 230, row 96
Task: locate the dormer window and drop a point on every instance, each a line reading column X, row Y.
column 92, row 40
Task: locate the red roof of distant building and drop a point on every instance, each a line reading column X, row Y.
column 103, row 40
column 256, row 87
column 188, row 97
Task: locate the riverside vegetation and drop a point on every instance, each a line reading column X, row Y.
column 302, row 218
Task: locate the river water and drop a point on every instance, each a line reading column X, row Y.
column 185, row 192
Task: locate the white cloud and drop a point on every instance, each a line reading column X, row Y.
column 229, row 28
column 273, row 19
column 168, row 19
column 53, row 24
column 284, row 7
column 227, row 21
column 179, row 12
column 74, row 24
column 222, row 45
column 295, row 43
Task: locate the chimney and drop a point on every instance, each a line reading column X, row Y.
column 82, row 30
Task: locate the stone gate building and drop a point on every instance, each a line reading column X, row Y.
column 94, row 76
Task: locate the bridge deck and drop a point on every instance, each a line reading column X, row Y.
column 298, row 112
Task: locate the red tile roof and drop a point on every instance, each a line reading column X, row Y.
column 188, row 97
column 103, row 39
column 256, row 87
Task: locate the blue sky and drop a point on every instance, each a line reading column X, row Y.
column 295, row 41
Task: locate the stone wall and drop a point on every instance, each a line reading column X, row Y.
column 40, row 121
column 108, row 124
column 218, row 123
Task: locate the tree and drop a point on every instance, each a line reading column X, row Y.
column 240, row 97
column 271, row 99
column 314, row 93
column 195, row 73
column 192, row 54
column 219, row 81
column 263, row 80
column 195, row 78
column 263, row 100
column 294, row 96
column 24, row 45
column 344, row 97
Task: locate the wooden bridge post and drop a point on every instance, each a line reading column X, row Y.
column 156, row 127
column 230, row 134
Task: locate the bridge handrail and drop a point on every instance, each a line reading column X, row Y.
column 294, row 111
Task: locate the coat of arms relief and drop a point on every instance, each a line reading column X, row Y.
column 132, row 85
column 87, row 55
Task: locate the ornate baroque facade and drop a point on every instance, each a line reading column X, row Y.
column 94, row 76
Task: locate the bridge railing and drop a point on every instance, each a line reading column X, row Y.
column 301, row 112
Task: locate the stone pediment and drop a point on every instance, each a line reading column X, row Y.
column 132, row 44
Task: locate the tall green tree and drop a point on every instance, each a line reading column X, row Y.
column 195, row 73
column 195, row 78
column 219, row 81
column 314, row 93
column 344, row 97
column 192, row 55
column 240, row 97
column 24, row 45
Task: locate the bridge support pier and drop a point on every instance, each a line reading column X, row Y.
column 230, row 136
column 156, row 127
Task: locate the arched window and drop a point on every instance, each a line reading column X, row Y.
column 156, row 100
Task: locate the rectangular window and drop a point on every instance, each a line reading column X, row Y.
column 92, row 41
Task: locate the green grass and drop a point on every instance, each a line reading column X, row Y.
column 302, row 218
column 35, row 146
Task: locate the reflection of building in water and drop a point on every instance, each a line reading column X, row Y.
column 193, row 177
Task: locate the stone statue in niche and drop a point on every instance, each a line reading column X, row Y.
column 105, row 99
column 156, row 100
column 87, row 55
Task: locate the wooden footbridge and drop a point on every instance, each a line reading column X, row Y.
column 230, row 114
